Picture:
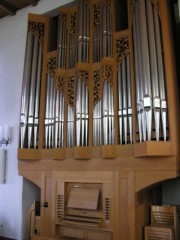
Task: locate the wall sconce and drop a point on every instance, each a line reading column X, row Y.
column 2, row 165
column 4, row 135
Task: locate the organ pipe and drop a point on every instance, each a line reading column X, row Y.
column 86, row 41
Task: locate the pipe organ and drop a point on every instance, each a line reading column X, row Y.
column 99, row 111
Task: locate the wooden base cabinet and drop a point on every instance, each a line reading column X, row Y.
column 111, row 204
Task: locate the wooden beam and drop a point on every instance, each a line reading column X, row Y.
column 7, row 8
column 33, row 2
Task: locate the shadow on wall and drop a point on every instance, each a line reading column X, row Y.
column 3, row 228
column 171, row 192
column 31, row 193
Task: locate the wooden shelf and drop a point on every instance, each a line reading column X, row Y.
column 109, row 151
column 152, row 148
column 125, row 150
column 29, row 154
column 58, row 153
column 46, row 153
column 82, row 152
column 117, row 151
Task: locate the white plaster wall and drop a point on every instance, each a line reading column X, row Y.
column 12, row 49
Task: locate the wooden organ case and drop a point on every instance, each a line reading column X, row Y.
column 99, row 116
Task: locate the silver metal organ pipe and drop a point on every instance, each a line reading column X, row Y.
column 87, row 29
column 59, row 119
column 109, row 111
column 70, row 128
column 145, row 68
column 124, row 100
column 80, row 30
column 145, row 47
column 161, row 74
column 138, row 72
column 153, row 66
column 129, row 100
column 52, row 110
column 86, row 115
column 37, row 96
column 82, row 113
column 108, row 114
column 83, row 99
column 72, row 57
column 112, row 114
column 120, row 102
column 96, row 45
column 49, row 117
column 83, row 33
column 61, row 143
column 104, row 26
column 32, row 91
column 152, row 49
column 64, row 46
column 25, row 88
column 47, row 111
column 57, row 113
column 105, row 114
column 107, row 31
column 147, row 42
column 78, row 112
column 97, row 124
column 62, row 43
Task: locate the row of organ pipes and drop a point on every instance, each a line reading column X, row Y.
column 29, row 113
column 149, row 70
column 149, row 81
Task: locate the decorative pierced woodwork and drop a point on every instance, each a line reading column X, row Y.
column 51, row 66
column 71, row 90
column 96, row 87
column 122, row 49
column 37, row 29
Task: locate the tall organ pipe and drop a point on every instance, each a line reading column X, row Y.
column 145, row 67
column 62, row 45
column 149, row 65
column 25, row 98
column 83, row 33
column 108, row 114
column 32, row 91
column 129, row 100
column 107, row 31
column 37, row 97
column 49, row 115
column 124, row 102
column 161, row 74
column 138, row 70
column 82, row 113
